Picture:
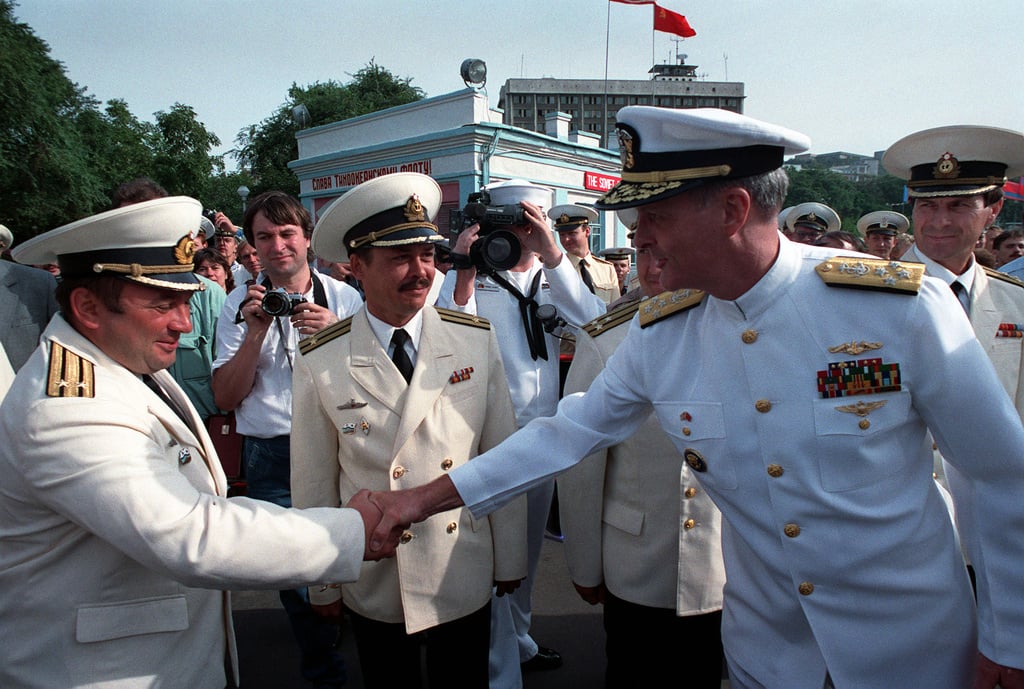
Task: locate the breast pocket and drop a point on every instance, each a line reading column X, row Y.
column 854, row 439
column 193, row 358
column 697, row 429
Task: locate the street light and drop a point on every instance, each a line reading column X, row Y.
column 243, row 193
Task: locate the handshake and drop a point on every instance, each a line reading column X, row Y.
column 387, row 514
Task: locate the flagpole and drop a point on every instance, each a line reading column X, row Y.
column 654, row 88
column 607, row 34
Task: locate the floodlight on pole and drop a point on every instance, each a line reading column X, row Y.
column 474, row 72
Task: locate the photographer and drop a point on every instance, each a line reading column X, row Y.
column 531, row 358
column 253, row 376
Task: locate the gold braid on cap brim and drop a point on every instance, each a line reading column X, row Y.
column 136, row 270
column 655, row 176
column 925, row 193
column 138, row 273
column 374, row 238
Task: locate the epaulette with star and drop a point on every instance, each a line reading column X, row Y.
column 1005, row 277
column 324, row 336
column 667, row 304
column 901, row 277
column 607, row 321
column 70, row 375
column 462, row 318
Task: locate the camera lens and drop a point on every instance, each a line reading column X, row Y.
column 276, row 304
column 499, row 250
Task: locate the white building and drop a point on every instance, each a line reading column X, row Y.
column 462, row 143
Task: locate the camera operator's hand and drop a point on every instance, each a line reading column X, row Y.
column 223, row 223
column 256, row 318
column 464, row 277
column 465, row 241
column 308, row 318
column 537, row 236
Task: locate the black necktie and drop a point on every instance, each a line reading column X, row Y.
column 961, row 294
column 399, row 356
column 152, row 385
column 585, row 274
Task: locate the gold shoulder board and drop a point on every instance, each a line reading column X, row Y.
column 463, row 318
column 615, row 317
column 668, row 303
column 70, row 374
column 992, row 273
column 879, row 274
column 326, row 335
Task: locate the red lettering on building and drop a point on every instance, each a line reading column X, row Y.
column 595, row 181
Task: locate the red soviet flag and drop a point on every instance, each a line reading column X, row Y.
column 670, row 22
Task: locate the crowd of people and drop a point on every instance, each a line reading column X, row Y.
column 405, row 420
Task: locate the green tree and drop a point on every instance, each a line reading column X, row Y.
column 265, row 149
column 119, row 145
column 182, row 162
column 45, row 176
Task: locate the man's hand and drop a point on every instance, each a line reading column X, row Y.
column 223, row 223
column 537, row 236
column 308, row 318
column 372, row 515
column 591, row 594
column 402, row 508
column 466, row 239
column 503, row 587
column 256, row 319
column 988, row 675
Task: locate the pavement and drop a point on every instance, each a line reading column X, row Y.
column 268, row 655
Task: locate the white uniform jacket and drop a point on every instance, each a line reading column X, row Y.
column 533, row 383
column 997, row 316
column 633, row 515
column 115, row 532
column 838, row 550
column 356, row 424
column 602, row 272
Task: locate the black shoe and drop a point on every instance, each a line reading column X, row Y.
column 546, row 659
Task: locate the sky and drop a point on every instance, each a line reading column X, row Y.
column 854, row 75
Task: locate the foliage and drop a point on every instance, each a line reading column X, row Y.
column 265, row 149
column 62, row 154
column 45, row 175
column 182, row 161
column 849, row 199
column 222, row 194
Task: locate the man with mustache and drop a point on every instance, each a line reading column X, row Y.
column 392, row 397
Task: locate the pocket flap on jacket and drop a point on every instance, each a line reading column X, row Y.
column 131, row 618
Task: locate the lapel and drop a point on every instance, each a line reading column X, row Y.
column 194, row 434
column 433, row 367
column 371, row 368
column 984, row 314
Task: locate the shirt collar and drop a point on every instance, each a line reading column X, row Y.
column 383, row 331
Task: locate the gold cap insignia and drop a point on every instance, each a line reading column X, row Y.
column 563, row 218
column 626, row 149
column 184, row 250
column 947, row 167
column 414, row 209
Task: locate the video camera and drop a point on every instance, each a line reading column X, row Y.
column 496, row 248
